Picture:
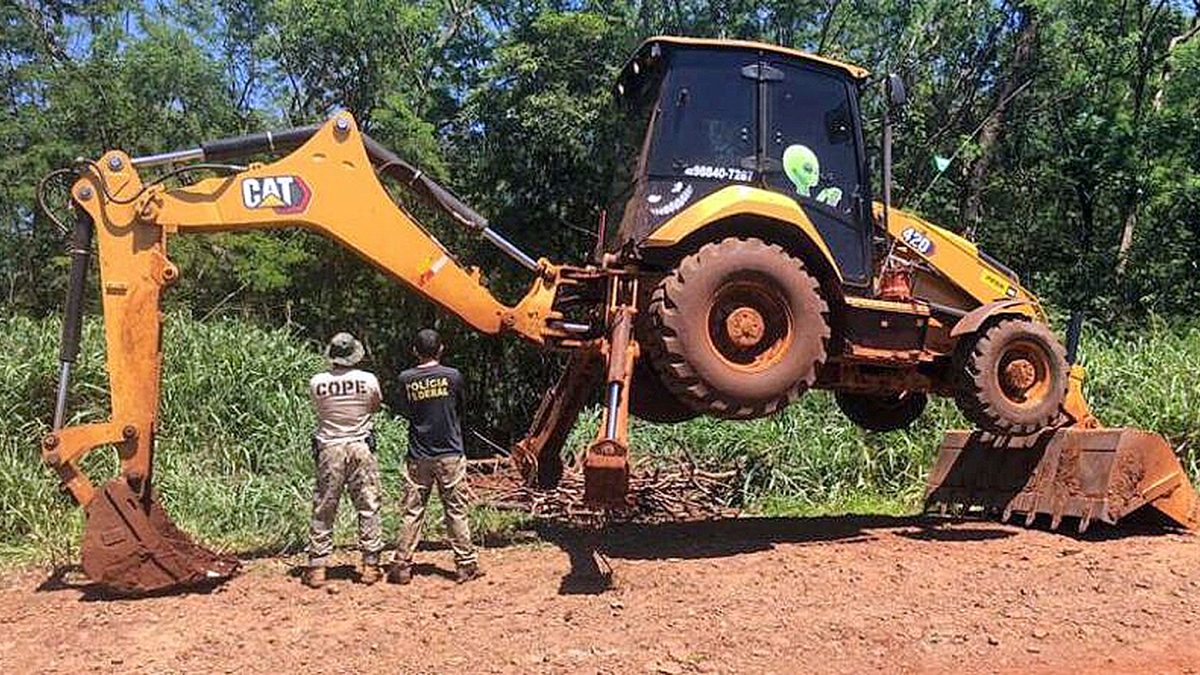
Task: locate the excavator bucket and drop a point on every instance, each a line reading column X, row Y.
column 131, row 547
column 1087, row 474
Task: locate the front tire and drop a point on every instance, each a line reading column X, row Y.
column 1012, row 378
column 739, row 330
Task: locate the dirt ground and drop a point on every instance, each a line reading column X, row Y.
column 839, row 595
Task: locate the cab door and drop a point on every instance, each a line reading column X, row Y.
column 811, row 149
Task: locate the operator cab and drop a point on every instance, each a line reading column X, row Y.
column 703, row 115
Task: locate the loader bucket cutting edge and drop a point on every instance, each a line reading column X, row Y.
column 132, row 548
column 1088, row 474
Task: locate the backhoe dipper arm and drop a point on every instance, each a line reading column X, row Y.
column 326, row 184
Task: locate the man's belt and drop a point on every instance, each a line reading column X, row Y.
column 369, row 439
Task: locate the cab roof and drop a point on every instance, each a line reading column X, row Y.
column 853, row 71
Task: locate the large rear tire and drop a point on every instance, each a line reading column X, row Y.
column 739, row 330
column 1012, row 377
column 882, row 412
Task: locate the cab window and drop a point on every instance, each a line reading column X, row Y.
column 706, row 122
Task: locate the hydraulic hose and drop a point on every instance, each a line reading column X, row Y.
column 390, row 164
column 385, row 161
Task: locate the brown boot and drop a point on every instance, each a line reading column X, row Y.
column 468, row 572
column 368, row 573
column 313, row 577
column 399, row 573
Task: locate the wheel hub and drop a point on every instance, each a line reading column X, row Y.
column 745, row 327
column 1019, row 375
column 749, row 325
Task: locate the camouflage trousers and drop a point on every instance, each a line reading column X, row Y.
column 449, row 474
column 351, row 466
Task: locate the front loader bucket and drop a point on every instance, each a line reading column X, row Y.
column 132, row 548
column 1089, row 474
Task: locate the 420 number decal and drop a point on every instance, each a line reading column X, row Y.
column 917, row 241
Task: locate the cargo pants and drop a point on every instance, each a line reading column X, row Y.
column 341, row 466
column 449, row 473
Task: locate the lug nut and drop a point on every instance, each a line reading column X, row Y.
column 85, row 193
column 129, row 432
column 114, row 163
column 342, row 124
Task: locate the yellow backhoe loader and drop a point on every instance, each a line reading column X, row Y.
column 749, row 264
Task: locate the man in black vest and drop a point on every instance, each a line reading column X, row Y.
column 433, row 397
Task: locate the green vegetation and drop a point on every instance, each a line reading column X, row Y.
column 234, row 468
column 233, row 464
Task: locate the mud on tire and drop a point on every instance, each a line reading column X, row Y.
column 882, row 412
column 739, row 330
column 1012, row 377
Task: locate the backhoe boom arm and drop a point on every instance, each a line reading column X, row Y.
column 326, row 184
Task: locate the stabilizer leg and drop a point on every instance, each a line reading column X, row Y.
column 606, row 464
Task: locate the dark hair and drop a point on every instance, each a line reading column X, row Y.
column 427, row 344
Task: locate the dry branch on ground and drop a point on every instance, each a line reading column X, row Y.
column 677, row 493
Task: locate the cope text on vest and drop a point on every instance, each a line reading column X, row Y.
column 430, row 387
column 341, row 388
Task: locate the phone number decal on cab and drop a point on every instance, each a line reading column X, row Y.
column 719, row 172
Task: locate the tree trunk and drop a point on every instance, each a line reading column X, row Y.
column 992, row 130
column 1146, row 62
column 1129, row 222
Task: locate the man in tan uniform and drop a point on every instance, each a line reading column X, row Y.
column 345, row 399
column 433, row 396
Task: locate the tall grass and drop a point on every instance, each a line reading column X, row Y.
column 1149, row 379
column 233, row 462
column 234, row 468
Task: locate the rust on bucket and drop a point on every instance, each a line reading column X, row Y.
column 1087, row 474
column 131, row 547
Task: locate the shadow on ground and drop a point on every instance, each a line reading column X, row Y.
column 72, row 578
column 588, row 548
column 734, row 536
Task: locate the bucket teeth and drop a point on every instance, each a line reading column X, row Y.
column 1088, row 474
